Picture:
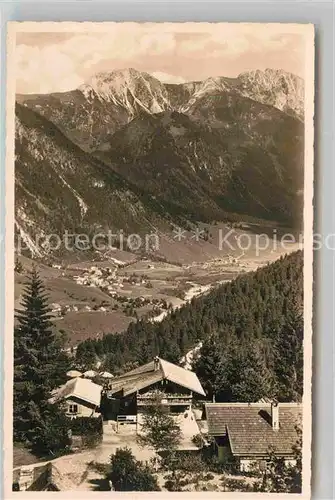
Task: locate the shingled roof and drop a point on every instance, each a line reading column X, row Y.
column 249, row 429
column 146, row 375
column 46, row 477
column 80, row 388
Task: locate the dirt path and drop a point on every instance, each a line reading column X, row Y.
column 76, row 467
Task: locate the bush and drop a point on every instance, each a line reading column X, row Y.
column 236, row 485
column 175, row 481
column 91, row 440
column 197, row 439
column 83, row 426
column 187, row 462
column 230, row 464
column 129, row 474
column 49, row 431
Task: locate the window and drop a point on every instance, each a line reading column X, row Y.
column 73, row 409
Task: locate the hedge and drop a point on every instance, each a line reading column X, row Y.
column 82, row 426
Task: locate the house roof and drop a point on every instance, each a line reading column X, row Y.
column 49, row 477
column 106, row 375
column 146, row 375
column 45, row 477
column 81, row 388
column 73, row 373
column 90, row 374
column 248, row 427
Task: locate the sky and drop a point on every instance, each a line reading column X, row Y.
column 64, row 59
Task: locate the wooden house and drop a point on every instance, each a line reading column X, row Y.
column 248, row 431
column 130, row 393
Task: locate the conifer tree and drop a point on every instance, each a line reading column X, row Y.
column 208, row 366
column 159, row 430
column 247, row 378
column 40, row 365
column 289, row 359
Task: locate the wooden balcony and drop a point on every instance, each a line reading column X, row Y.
column 167, row 399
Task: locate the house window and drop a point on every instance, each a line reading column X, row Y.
column 73, row 409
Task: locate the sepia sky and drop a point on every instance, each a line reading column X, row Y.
column 63, row 60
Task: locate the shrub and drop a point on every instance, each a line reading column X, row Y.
column 175, row 481
column 49, row 432
column 83, row 426
column 197, row 439
column 91, row 440
column 229, row 464
column 236, row 485
column 129, row 474
column 187, row 462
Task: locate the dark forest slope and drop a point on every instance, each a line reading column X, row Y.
column 258, row 314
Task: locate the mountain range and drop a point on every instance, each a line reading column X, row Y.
column 127, row 151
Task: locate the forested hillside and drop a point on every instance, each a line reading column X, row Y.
column 252, row 333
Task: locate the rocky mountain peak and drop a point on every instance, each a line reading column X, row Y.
column 276, row 87
column 132, row 89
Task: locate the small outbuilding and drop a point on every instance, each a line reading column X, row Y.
column 82, row 397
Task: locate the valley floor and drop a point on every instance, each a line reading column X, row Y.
column 93, row 298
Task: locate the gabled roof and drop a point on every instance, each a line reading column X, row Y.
column 146, row 375
column 90, row 374
column 106, row 375
column 48, row 477
column 248, row 427
column 81, row 388
column 181, row 376
column 73, row 374
column 44, row 477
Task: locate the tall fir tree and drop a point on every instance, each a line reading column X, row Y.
column 40, row 364
column 207, row 366
column 245, row 376
column 289, row 358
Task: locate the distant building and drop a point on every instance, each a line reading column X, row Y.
column 81, row 396
column 130, row 393
column 247, row 431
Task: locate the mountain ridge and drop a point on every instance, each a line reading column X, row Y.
column 109, row 100
column 126, row 151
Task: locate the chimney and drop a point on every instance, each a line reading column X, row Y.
column 275, row 415
column 156, row 363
